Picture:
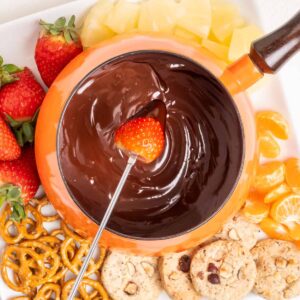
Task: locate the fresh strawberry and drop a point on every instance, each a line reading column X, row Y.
column 20, row 182
column 9, row 148
column 20, row 97
column 57, row 45
column 143, row 136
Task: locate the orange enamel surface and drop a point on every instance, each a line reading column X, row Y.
column 47, row 162
column 240, row 75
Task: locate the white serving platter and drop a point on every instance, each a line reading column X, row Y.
column 281, row 92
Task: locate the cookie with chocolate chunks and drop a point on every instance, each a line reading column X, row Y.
column 223, row 270
column 174, row 271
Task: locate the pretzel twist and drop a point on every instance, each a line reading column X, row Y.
column 30, row 228
column 47, row 290
column 40, row 204
column 98, row 290
column 74, row 263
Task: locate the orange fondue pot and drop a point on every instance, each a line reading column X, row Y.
column 64, row 102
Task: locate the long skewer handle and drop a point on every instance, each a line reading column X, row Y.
column 130, row 164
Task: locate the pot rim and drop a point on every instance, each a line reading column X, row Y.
column 45, row 143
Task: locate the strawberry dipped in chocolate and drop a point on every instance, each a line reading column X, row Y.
column 144, row 133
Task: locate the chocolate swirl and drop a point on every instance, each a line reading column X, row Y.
column 198, row 169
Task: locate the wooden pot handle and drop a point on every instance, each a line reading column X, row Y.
column 273, row 50
column 267, row 55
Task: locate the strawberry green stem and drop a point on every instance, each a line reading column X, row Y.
column 7, row 73
column 23, row 130
column 61, row 27
column 11, row 194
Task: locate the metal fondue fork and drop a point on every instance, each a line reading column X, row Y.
column 130, row 163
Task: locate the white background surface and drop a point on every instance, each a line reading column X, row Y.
column 282, row 93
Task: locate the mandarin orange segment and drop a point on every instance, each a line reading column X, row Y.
column 274, row 230
column 274, row 122
column 294, row 230
column 255, row 209
column 268, row 176
column 268, row 146
column 287, row 209
column 277, row 193
column 293, row 173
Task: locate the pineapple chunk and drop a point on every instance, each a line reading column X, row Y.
column 187, row 35
column 158, row 16
column 241, row 41
column 219, row 50
column 225, row 18
column 93, row 30
column 195, row 16
column 123, row 17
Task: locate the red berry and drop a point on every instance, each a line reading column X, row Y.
column 9, row 148
column 56, row 47
column 21, row 98
column 22, row 173
column 142, row 136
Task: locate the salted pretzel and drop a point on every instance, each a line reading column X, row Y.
column 39, row 206
column 49, row 258
column 86, row 283
column 33, row 263
column 58, row 233
column 51, row 241
column 47, row 290
column 30, row 228
column 36, row 262
column 71, row 233
column 20, row 261
column 74, row 263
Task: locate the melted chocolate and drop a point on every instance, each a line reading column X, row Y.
column 194, row 176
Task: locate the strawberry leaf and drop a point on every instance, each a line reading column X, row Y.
column 62, row 27
column 18, row 212
column 11, row 69
column 60, row 23
column 74, row 35
column 7, row 73
column 54, row 31
column 24, row 131
column 71, row 22
column 28, row 131
column 19, row 136
column 12, row 195
column 67, row 36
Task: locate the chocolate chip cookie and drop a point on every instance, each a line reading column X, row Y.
column 278, row 269
column 174, row 271
column 240, row 229
column 131, row 277
column 223, row 270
